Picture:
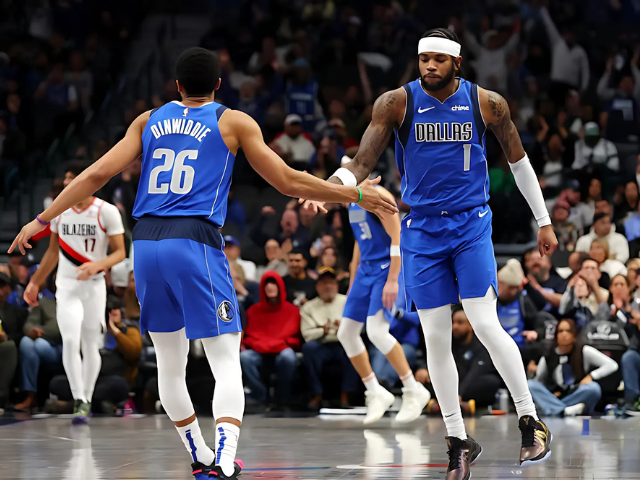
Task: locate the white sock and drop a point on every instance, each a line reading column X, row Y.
column 409, row 381
column 483, row 316
column 192, row 438
column 226, row 445
column 371, row 383
column 455, row 424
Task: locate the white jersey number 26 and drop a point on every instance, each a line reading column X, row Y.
column 178, row 185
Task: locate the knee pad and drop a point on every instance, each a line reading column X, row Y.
column 378, row 332
column 349, row 336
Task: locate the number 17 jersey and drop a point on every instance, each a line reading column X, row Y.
column 186, row 166
column 440, row 152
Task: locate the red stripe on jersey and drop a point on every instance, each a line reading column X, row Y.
column 71, row 252
column 98, row 216
column 44, row 233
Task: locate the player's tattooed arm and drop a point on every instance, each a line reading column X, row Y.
column 495, row 111
column 388, row 111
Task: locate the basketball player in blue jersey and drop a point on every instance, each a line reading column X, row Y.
column 184, row 286
column 439, row 121
column 373, row 292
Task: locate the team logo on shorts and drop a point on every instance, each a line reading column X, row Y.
column 225, row 311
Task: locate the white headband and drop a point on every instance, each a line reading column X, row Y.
column 439, row 45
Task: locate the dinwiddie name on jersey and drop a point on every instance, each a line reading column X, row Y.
column 82, row 229
column 444, row 132
column 180, row 126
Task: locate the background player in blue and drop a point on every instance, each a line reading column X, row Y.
column 374, row 289
column 184, row 286
column 439, row 122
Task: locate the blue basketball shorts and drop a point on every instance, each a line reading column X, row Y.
column 447, row 258
column 183, row 282
column 365, row 297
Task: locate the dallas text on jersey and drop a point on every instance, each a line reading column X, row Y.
column 180, row 126
column 81, row 229
column 444, row 132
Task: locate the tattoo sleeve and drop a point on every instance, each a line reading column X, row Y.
column 376, row 137
column 504, row 129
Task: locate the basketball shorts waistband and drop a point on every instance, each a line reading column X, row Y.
column 191, row 228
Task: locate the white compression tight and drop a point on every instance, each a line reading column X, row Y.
column 483, row 316
column 377, row 331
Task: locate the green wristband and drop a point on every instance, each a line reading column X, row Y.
column 360, row 193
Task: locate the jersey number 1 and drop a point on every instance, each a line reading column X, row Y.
column 175, row 162
column 467, row 157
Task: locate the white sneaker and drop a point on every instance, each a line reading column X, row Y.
column 378, row 402
column 574, row 410
column 413, row 402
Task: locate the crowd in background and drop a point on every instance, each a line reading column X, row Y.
column 308, row 72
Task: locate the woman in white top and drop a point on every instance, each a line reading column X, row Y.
column 599, row 251
column 565, row 381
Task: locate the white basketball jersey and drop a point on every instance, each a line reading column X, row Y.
column 84, row 235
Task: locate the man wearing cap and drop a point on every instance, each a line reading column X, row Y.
column 232, row 250
column 294, row 145
column 301, row 95
column 319, row 326
column 11, row 321
column 594, row 150
column 603, row 228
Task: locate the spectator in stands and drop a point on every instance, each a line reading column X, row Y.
column 233, row 251
column 81, row 79
column 342, row 137
column 565, row 381
column 631, row 365
column 593, row 150
column 294, row 145
column 619, row 298
column 272, row 337
column 11, row 320
column 544, row 284
column 300, row 287
column 248, row 293
column 327, row 158
column 580, row 214
column 594, row 195
column 289, row 234
column 478, row 379
column 602, row 228
column 632, row 233
column 632, row 267
column 41, row 345
column 565, row 230
column 628, row 205
column 517, row 313
column 301, row 95
column 119, row 369
column 276, row 262
column 553, row 158
column 600, row 252
column 320, row 321
column 585, row 300
column 130, row 301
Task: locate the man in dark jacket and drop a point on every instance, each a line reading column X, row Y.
column 479, row 380
column 631, row 366
column 11, row 320
column 272, row 337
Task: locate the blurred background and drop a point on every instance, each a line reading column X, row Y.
column 75, row 73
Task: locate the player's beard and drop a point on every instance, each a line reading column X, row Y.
column 442, row 83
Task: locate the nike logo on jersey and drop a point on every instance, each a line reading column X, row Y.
column 482, row 214
column 456, row 108
column 383, row 267
column 422, row 110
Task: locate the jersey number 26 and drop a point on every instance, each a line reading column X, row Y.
column 175, row 162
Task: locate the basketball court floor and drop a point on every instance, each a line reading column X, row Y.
column 137, row 448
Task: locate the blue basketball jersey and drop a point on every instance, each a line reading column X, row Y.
column 372, row 238
column 186, row 166
column 440, row 152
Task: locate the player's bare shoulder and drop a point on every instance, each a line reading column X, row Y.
column 389, row 108
column 235, row 125
column 494, row 107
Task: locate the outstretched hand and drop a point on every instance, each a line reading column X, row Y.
column 547, row 241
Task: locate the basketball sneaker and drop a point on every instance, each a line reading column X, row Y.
column 81, row 412
column 462, row 453
column 378, row 402
column 218, row 473
column 535, row 440
column 201, row 471
column 413, row 402
column 632, row 409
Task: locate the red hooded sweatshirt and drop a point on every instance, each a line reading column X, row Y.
column 271, row 328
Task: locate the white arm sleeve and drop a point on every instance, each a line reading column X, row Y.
column 597, row 364
column 527, row 182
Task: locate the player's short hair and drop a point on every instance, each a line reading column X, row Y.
column 441, row 32
column 198, row 71
column 75, row 168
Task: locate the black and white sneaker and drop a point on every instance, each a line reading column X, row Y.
column 218, row 473
column 201, row 471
